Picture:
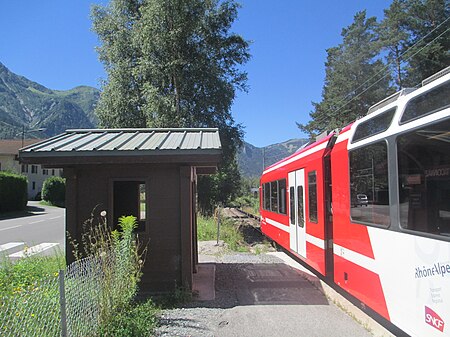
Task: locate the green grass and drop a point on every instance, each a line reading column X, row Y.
column 29, row 295
column 229, row 232
column 29, row 289
column 49, row 203
column 23, row 274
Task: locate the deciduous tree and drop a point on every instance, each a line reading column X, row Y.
column 174, row 63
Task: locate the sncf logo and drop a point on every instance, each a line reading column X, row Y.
column 433, row 319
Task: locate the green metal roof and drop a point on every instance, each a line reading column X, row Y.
column 117, row 142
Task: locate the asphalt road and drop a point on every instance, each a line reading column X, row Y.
column 38, row 230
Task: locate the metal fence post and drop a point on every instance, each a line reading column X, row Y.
column 218, row 224
column 62, row 303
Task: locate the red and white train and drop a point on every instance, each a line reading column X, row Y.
column 368, row 207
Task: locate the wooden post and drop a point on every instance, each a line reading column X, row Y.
column 186, row 226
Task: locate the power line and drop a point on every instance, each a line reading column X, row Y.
column 401, row 55
column 409, row 57
column 388, row 73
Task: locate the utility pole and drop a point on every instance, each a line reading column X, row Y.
column 264, row 158
column 34, row 130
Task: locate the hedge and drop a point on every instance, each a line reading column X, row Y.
column 54, row 191
column 13, row 192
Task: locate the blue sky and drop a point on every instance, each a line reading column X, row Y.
column 51, row 42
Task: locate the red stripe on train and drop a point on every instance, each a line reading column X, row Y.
column 361, row 283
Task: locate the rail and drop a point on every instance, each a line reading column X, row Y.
column 241, row 214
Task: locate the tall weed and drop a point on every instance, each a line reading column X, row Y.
column 229, row 232
column 120, row 249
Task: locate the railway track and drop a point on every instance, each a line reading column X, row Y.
column 237, row 213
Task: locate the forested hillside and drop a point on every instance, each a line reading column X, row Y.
column 252, row 159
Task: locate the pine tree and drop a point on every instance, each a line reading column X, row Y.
column 429, row 44
column 355, row 78
column 394, row 39
column 416, row 36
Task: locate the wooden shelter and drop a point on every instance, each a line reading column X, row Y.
column 148, row 173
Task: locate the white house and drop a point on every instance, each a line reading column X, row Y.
column 9, row 151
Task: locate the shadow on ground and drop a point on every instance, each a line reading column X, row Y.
column 246, row 284
column 252, row 235
column 245, row 290
column 266, row 284
column 28, row 211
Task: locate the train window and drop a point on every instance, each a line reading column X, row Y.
column 374, row 125
column 369, row 186
column 431, row 101
column 424, row 179
column 266, row 193
column 282, row 196
column 301, row 219
column 292, row 204
column 312, row 196
column 274, row 196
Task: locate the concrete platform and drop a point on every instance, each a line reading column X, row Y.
column 357, row 314
column 274, row 285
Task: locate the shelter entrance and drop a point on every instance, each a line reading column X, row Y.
column 130, row 198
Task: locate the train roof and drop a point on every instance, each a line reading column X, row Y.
column 372, row 112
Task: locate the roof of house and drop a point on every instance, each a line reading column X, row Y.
column 138, row 143
column 12, row 146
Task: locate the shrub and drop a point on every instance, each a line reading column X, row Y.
column 54, row 191
column 13, row 192
column 132, row 320
column 247, row 203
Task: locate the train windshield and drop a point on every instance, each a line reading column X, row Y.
column 374, row 125
column 432, row 101
column 424, row 179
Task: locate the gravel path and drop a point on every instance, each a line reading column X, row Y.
column 255, row 295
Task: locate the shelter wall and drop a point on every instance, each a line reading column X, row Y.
column 91, row 191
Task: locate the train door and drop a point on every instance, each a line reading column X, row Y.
column 297, row 227
column 329, row 257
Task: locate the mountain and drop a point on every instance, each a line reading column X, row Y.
column 27, row 105
column 251, row 159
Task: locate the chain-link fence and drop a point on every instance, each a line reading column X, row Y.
column 68, row 304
